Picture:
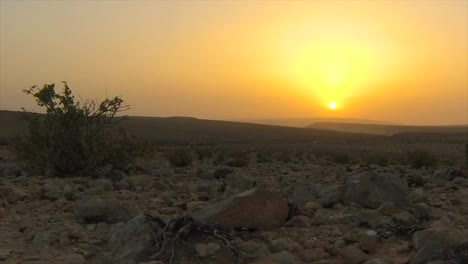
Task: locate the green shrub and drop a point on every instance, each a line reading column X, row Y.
column 419, row 158
column 74, row 137
column 180, row 156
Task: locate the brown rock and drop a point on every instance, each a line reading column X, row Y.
column 368, row 244
column 251, row 209
column 353, row 255
column 404, row 218
column 315, row 254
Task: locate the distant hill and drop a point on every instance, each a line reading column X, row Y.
column 303, row 122
column 387, row 129
column 188, row 129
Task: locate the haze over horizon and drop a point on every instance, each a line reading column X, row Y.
column 396, row 61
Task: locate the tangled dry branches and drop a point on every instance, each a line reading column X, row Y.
column 181, row 227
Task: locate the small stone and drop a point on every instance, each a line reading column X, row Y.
column 353, row 255
column 333, row 250
column 104, row 184
column 309, row 208
column 342, row 219
column 206, row 250
column 51, row 192
column 116, row 175
column 72, row 258
column 421, row 211
column 315, row 254
column 282, row 244
column 170, row 210
column 376, row 261
column 404, row 218
column 371, row 233
column 102, row 229
column 122, row 184
column 5, row 254
column 68, row 193
column 340, row 243
column 368, row 244
column 284, row 257
column 95, row 209
column 351, row 237
column 141, row 180
column 64, row 239
column 459, row 181
column 252, row 249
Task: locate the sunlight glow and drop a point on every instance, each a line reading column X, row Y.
column 330, row 66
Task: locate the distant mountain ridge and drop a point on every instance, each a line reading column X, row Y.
column 379, row 129
column 304, row 122
column 189, row 129
column 179, row 128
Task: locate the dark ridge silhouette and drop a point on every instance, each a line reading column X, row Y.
column 303, row 122
column 189, row 129
column 388, row 130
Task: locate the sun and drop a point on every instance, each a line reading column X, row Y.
column 332, row 105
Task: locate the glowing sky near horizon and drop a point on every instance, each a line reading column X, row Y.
column 400, row 61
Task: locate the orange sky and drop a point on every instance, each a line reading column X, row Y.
column 400, row 61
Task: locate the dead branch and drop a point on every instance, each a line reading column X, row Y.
column 179, row 228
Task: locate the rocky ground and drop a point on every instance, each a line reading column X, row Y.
column 312, row 211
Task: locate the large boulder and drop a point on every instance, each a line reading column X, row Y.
column 448, row 245
column 372, row 189
column 95, row 209
column 251, row 209
column 134, row 242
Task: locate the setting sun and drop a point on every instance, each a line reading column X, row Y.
column 332, row 105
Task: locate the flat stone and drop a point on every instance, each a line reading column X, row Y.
column 373, row 189
column 96, row 209
column 284, row 257
column 353, row 255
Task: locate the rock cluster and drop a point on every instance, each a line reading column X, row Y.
column 343, row 215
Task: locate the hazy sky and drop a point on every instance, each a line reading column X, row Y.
column 401, row 61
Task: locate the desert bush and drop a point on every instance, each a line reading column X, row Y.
column 238, row 158
column 419, row 158
column 180, row 156
column 340, row 157
column 219, row 157
column 74, row 137
column 263, row 156
column 282, row 156
column 204, row 152
column 376, row 159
